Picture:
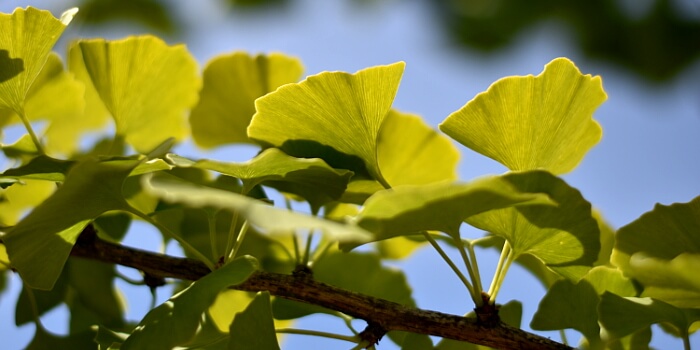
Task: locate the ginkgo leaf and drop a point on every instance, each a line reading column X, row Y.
column 661, row 249
column 312, row 179
column 26, row 39
column 177, row 320
column 41, row 168
column 146, row 85
column 232, row 83
column 21, row 196
column 542, row 122
column 270, row 219
column 570, row 305
column 407, row 210
column 39, row 245
column 335, row 116
column 622, row 316
column 565, row 237
column 253, row 328
column 410, row 152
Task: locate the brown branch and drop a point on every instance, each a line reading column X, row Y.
column 380, row 313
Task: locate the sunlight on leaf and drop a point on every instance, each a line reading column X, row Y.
column 40, row 244
column 146, row 85
column 177, row 320
column 410, row 152
column 253, row 328
column 232, row 83
column 312, row 179
column 622, row 316
column 542, row 122
column 408, row 210
column 22, row 196
column 331, row 109
column 26, row 39
column 270, row 219
column 661, row 249
column 565, row 237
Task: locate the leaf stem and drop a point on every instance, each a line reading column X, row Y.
column 239, row 241
column 211, row 221
column 231, row 234
column 186, row 246
column 28, row 126
column 352, row 339
column 507, row 257
column 472, row 269
column 34, row 307
column 449, row 262
column 307, row 249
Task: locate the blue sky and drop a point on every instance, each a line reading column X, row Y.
column 650, row 133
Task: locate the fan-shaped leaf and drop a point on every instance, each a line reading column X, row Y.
column 312, row 179
column 232, row 83
column 39, row 245
column 412, row 153
column 270, row 219
column 565, row 237
column 407, row 210
column 146, row 85
column 177, row 320
column 541, row 122
column 26, row 39
column 330, row 113
column 622, row 316
column 254, row 328
column 661, row 249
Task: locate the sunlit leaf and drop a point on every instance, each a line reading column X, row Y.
column 609, row 279
column 312, row 179
column 330, row 113
column 410, row 152
column 569, row 305
column 661, row 249
column 40, row 244
column 176, row 321
column 41, row 168
column 19, row 197
column 407, row 210
column 26, row 39
column 565, row 237
column 232, row 83
column 146, row 85
column 622, row 316
column 542, row 122
column 253, row 328
column 265, row 217
column 23, row 149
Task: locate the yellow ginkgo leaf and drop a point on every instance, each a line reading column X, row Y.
column 527, row 123
column 146, row 85
column 26, row 39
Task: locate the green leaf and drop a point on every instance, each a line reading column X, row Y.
column 232, row 83
column 253, row 328
column 565, row 237
column 608, row 279
column 41, row 168
column 410, row 152
column 407, row 210
column 262, row 216
column 92, row 289
column 661, row 249
column 176, row 321
column 312, row 179
column 20, row 196
column 39, row 245
column 569, row 305
column 146, row 85
column 542, row 122
column 26, row 39
column 336, row 110
column 622, row 316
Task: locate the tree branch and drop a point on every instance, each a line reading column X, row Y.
column 301, row 287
